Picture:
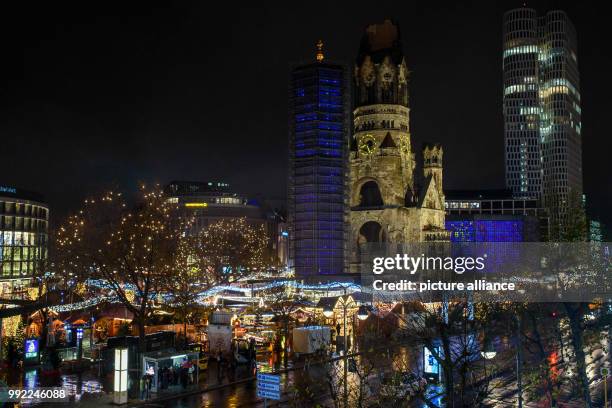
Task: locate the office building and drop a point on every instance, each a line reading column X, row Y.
column 494, row 216
column 208, row 202
column 24, row 223
column 318, row 149
column 211, row 201
column 541, row 103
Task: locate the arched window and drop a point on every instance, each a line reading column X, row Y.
column 369, row 195
column 409, row 199
column 372, row 232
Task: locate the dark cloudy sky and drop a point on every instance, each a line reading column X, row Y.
column 96, row 94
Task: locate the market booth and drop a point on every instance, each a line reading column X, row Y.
column 159, row 364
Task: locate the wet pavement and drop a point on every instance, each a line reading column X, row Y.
column 76, row 384
column 234, row 388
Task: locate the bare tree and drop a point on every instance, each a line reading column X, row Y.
column 282, row 302
column 572, row 228
column 231, row 247
column 451, row 337
column 222, row 253
column 133, row 249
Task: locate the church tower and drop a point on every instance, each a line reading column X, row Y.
column 318, row 151
column 432, row 167
column 385, row 204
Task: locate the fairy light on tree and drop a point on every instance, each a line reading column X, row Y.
column 143, row 250
column 231, row 248
column 180, row 284
column 222, row 253
column 282, row 301
column 126, row 246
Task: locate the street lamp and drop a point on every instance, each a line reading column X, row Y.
column 362, row 313
column 488, row 352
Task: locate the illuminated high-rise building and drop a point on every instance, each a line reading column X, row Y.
column 24, row 223
column 318, row 145
column 542, row 108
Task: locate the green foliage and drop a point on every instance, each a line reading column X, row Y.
column 568, row 219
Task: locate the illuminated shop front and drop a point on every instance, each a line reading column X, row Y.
column 24, row 219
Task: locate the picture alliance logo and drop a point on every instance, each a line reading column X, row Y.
column 412, row 264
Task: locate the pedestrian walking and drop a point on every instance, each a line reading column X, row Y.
column 143, row 384
column 219, row 366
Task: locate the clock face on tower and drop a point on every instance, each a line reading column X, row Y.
column 368, row 145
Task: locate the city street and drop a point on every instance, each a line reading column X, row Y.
column 306, row 205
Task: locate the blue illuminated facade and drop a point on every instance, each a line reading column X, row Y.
column 479, row 230
column 318, row 144
column 494, row 216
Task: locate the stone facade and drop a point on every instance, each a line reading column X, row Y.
column 385, row 204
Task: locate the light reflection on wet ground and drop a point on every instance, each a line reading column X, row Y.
column 75, row 384
column 242, row 394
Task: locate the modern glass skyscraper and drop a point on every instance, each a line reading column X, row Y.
column 542, row 108
column 318, row 145
column 24, row 223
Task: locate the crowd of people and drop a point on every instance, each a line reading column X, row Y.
column 184, row 375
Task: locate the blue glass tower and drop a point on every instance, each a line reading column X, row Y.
column 318, row 145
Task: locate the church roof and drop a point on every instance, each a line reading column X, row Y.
column 388, row 141
column 423, row 191
column 429, row 190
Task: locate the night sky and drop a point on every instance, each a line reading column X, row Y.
column 97, row 94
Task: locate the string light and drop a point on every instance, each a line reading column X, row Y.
column 86, row 304
column 123, row 251
column 330, row 286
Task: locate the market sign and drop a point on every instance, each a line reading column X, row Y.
column 31, row 350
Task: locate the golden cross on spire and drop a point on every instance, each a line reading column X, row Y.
column 320, row 56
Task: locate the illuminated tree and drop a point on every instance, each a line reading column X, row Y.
column 231, row 248
column 282, row 302
column 568, row 218
column 181, row 284
column 573, row 229
column 448, row 333
column 132, row 248
column 222, row 253
column 42, row 278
